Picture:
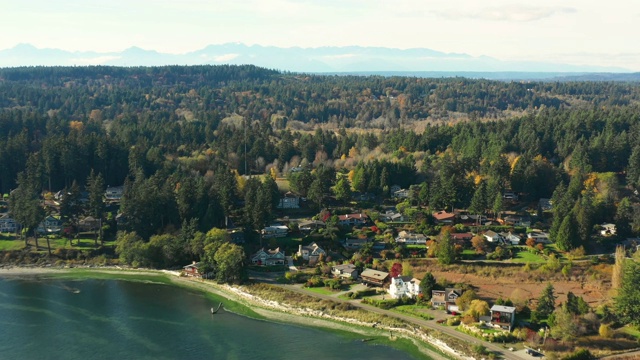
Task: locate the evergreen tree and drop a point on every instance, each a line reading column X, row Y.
column 633, row 168
column 627, row 302
column 445, row 249
column 624, row 218
column 568, row 233
column 479, row 200
column 546, row 301
column 428, row 284
column 342, row 189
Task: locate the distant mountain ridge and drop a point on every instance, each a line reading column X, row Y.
column 331, row 59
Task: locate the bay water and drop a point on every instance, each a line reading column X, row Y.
column 111, row 319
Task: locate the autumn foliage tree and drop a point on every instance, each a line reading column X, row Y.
column 396, row 270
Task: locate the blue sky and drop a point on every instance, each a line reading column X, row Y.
column 569, row 31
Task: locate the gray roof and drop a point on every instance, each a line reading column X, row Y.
column 503, row 309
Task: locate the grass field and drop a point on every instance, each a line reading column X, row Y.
column 524, row 256
column 322, row 290
column 414, row 310
column 12, row 242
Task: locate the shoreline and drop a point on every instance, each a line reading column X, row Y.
column 423, row 343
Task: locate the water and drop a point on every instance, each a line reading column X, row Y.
column 108, row 319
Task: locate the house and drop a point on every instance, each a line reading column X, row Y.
column 236, row 236
column 405, row 237
column 346, row 271
column 114, row 193
column 353, row 219
column 514, row 219
column 354, row 244
column 391, row 216
column 8, row 224
column 89, row 223
column 446, row 298
column 394, row 188
column 539, row 237
column 545, row 204
column 608, row 229
column 311, row 252
column 493, row 237
column 503, row 316
column 510, row 195
column 443, row 217
column 374, row 277
column 268, row 257
column 289, row 201
column 49, row 225
column 364, row 197
column 511, row 238
column 461, row 237
column 401, row 194
column 472, row 220
column 274, row 231
column 311, row 225
column 192, row 269
column 402, row 286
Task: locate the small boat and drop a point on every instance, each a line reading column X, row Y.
column 216, row 310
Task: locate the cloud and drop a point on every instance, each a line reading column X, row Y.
column 513, row 13
column 99, row 60
column 225, row 57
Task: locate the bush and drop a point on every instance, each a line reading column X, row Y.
column 582, row 354
column 454, row 321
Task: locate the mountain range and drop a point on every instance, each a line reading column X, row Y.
column 347, row 59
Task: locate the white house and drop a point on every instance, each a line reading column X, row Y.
column 511, row 238
column 608, row 229
column 503, row 316
column 49, row 225
column 408, row 238
column 493, row 237
column 404, row 286
column 539, row 237
column 353, row 219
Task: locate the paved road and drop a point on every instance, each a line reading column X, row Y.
column 427, row 324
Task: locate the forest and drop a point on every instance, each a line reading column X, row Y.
column 180, row 140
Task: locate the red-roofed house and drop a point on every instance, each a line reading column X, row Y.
column 443, row 217
column 353, row 219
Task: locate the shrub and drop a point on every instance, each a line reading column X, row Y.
column 454, row 321
column 582, row 354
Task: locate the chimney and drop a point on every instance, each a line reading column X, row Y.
column 300, row 249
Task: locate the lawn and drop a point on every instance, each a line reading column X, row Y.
column 322, row 290
column 11, row 242
column 421, row 312
column 7, row 244
column 524, row 256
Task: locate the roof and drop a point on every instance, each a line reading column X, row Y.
column 345, row 267
column 503, row 309
column 461, row 236
column 490, row 233
column 352, row 216
column 194, row 265
column 370, row 273
column 443, row 215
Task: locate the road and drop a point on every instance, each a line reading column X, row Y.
column 427, row 324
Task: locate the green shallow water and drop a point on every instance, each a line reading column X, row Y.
column 109, row 319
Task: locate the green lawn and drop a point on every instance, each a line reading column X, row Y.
column 322, row 290
column 414, row 310
column 11, row 244
column 525, row 256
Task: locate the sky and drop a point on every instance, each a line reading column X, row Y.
column 579, row 32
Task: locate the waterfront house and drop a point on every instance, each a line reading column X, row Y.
column 404, row 286
column 8, row 224
column 192, row 269
column 89, row 223
column 50, row 225
column 374, row 277
column 268, row 257
column 503, row 316
column 346, row 271
column 446, row 298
